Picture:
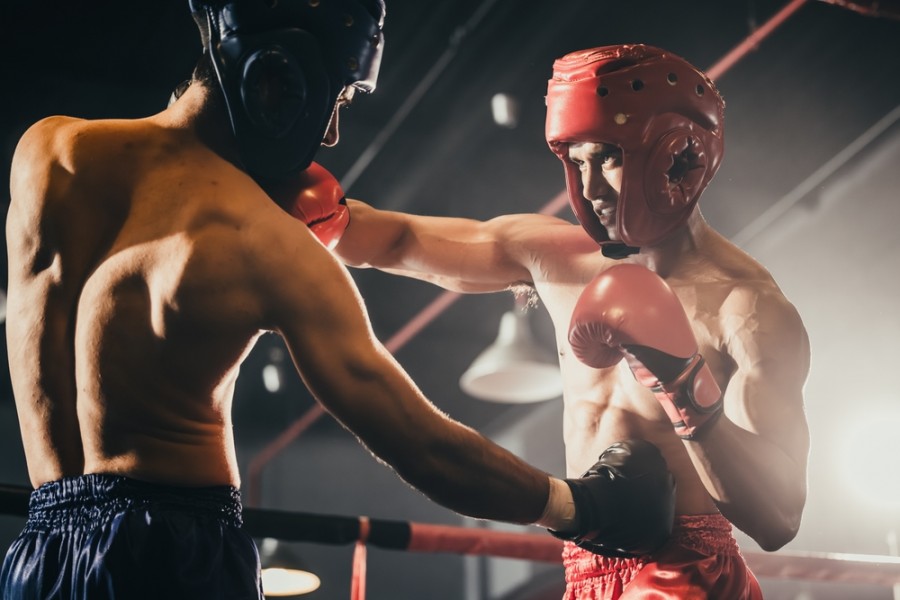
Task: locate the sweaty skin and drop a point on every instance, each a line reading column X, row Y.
column 751, row 465
column 143, row 267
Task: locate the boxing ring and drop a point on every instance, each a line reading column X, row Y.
column 408, row 536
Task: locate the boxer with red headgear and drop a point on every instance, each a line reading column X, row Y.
column 146, row 258
column 664, row 115
column 679, row 352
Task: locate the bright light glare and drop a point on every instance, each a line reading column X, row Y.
column 271, row 375
column 871, row 459
column 288, row 582
column 505, row 110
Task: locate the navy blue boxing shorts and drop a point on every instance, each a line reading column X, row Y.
column 111, row 537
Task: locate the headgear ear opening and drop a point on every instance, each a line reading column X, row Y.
column 675, row 171
column 273, row 91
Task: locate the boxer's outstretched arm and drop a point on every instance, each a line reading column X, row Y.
column 462, row 255
column 754, row 461
column 308, row 297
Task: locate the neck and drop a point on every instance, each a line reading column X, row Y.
column 667, row 257
column 202, row 111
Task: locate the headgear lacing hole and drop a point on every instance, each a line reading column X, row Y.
column 602, row 91
column 314, row 3
column 672, row 78
column 352, row 64
column 348, row 20
column 699, row 90
column 637, row 85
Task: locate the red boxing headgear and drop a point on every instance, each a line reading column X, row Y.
column 665, row 115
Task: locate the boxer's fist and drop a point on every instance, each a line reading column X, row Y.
column 625, row 503
column 315, row 197
column 630, row 311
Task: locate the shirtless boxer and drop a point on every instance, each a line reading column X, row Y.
column 146, row 259
column 715, row 356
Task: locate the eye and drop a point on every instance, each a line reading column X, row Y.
column 611, row 159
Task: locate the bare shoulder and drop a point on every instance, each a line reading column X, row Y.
column 55, row 152
column 40, row 178
column 50, row 139
column 45, row 131
column 534, row 228
column 39, row 148
column 294, row 276
column 759, row 321
column 540, row 241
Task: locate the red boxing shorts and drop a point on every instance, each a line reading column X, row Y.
column 700, row 561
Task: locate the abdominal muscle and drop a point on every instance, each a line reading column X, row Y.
column 606, row 406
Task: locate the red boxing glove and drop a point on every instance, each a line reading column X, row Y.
column 630, row 311
column 315, row 197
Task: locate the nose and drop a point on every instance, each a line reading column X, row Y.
column 595, row 184
column 332, row 135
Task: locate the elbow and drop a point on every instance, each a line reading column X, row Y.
column 771, row 528
column 776, row 538
column 778, row 530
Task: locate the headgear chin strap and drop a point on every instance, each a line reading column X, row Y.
column 665, row 115
column 281, row 66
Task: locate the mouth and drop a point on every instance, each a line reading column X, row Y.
column 606, row 212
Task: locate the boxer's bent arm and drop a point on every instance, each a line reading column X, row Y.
column 42, row 291
column 754, row 460
column 313, row 303
column 462, row 255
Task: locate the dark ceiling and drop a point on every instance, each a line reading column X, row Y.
column 426, row 142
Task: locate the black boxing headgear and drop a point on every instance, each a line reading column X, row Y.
column 665, row 115
column 282, row 64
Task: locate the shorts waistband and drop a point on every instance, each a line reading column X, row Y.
column 91, row 499
column 708, row 534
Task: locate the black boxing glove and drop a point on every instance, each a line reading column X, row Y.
column 625, row 503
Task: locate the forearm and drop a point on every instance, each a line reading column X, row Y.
column 757, row 485
column 469, row 475
column 449, row 462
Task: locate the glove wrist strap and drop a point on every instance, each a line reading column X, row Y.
column 691, row 400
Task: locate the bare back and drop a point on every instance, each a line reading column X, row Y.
column 128, row 307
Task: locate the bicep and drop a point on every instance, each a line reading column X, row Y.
column 765, row 393
column 458, row 254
